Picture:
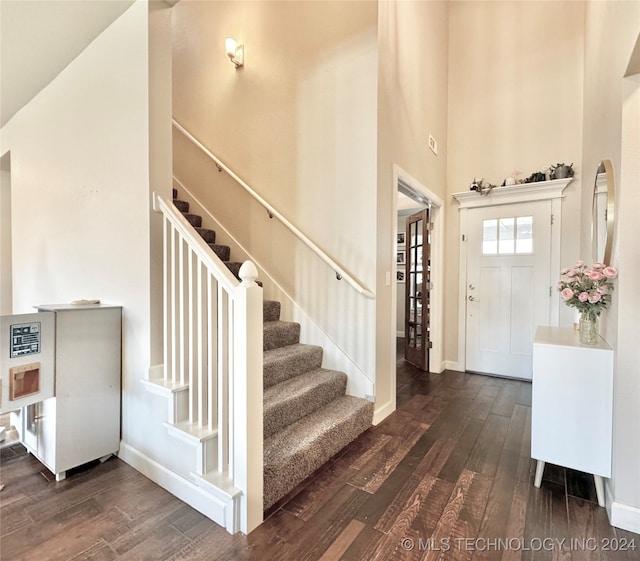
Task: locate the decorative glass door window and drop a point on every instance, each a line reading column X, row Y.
column 417, row 290
column 507, row 236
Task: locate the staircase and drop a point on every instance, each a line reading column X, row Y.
column 308, row 417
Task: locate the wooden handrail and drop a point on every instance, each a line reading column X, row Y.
column 340, row 272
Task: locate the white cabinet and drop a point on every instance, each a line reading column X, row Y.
column 82, row 422
column 572, row 404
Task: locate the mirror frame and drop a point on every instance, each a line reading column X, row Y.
column 610, row 212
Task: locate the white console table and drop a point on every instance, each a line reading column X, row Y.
column 572, row 404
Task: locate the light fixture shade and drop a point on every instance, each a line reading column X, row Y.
column 230, row 46
column 234, row 51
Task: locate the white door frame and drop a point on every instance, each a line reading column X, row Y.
column 541, row 191
column 417, row 191
column 6, row 256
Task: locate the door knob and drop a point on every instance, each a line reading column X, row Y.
column 471, row 298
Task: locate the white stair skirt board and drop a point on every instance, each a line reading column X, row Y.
column 216, row 504
column 177, row 396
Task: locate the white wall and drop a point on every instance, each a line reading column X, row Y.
column 612, row 131
column 298, row 124
column 515, row 107
column 80, row 203
column 160, row 154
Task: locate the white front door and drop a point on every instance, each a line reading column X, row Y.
column 508, row 290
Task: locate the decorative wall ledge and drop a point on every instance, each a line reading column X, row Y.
column 526, row 192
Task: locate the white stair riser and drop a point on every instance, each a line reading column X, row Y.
column 207, row 456
column 179, row 406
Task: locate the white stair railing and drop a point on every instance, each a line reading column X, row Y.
column 213, row 344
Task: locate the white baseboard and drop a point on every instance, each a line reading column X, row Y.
column 213, row 507
column 437, row 369
column 399, row 334
column 453, row 365
column 381, row 413
column 625, row 517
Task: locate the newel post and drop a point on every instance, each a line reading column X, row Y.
column 247, row 397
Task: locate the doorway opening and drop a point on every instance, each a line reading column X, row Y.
column 411, row 197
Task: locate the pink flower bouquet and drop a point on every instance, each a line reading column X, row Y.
column 587, row 288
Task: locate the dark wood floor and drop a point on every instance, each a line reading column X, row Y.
column 447, row 476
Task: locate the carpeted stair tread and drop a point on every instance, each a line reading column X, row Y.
column 234, row 267
column 294, row 453
column 280, row 334
column 271, row 310
column 222, row 251
column 307, row 416
column 282, row 363
column 287, row 402
column 194, row 219
column 182, row 206
column 208, row 236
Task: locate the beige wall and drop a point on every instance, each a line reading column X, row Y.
column 612, row 29
column 515, row 107
column 412, row 102
column 504, row 92
column 298, row 124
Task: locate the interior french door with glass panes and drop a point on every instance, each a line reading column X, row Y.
column 508, row 290
column 417, row 279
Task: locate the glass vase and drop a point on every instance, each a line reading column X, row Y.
column 588, row 329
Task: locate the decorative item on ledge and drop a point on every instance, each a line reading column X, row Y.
column 561, row 171
column 589, row 291
column 481, row 186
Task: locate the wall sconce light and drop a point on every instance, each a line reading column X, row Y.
column 235, row 52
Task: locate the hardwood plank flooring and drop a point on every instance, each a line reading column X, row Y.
column 447, row 476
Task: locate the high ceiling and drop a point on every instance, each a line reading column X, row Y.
column 39, row 38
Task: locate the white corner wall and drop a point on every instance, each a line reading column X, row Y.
column 612, row 131
column 6, row 277
column 81, row 207
column 625, row 510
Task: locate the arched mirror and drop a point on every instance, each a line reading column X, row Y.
column 603, row 213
